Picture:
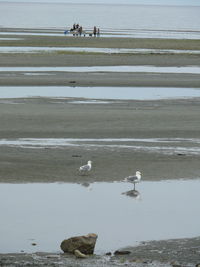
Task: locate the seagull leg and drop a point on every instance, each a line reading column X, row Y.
column 134, row 187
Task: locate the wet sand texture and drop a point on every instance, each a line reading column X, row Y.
column 61, row 58
column 51, row 118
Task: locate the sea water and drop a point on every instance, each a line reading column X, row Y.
column 109, row 17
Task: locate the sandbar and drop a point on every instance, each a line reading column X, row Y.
column 61, row 118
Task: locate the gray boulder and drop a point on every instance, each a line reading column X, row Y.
column 85, row 244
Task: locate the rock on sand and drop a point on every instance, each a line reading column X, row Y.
column 85, row 244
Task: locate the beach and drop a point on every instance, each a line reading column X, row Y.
column 56, row 118
column 158, row 136
column 64, row 58
column 67, row 58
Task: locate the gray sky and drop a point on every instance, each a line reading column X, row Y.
column 145, row 2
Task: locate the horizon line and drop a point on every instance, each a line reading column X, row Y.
column 98, row 3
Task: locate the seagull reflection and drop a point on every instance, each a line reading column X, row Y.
column 133, row 193
column 87, row 185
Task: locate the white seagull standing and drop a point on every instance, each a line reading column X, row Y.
column 134, row 179
column 86, row 168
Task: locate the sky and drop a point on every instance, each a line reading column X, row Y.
column 143, row 2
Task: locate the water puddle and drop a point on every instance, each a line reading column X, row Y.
column 167, row 146
column 45, row 214
column 25, row 49
column 129, row 69
column 90, row 102
column 115, row 93
column 37, row 74
column 58, row 34
column 10, row 39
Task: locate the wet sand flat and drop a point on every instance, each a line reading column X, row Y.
column 60, row 118
column 100, row 79
column 48, row 118
column 69, row 41
column 62, row 58
column 92, row 59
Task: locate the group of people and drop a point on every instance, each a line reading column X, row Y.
column 77, row 30
column 96, row 31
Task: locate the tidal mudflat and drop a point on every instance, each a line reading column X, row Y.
column 46, row 135
column 44, row 60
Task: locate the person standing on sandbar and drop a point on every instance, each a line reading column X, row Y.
column 95, row 31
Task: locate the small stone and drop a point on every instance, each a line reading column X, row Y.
column 175, row 264
column 34, row 244
column 79, row 255
column 53, row 257
column 122, row 252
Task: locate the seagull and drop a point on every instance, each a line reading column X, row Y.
column 134, row 179
column 86, row 168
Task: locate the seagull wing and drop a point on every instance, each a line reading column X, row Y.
column 132, row 179
column 85, row 168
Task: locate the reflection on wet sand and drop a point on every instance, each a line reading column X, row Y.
column 85, row 184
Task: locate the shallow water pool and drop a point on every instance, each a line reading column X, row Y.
column 45, row 214
column 120, row 68
column 46, row 49
column 123, row 93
